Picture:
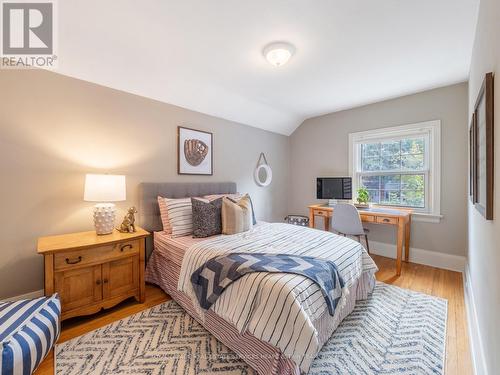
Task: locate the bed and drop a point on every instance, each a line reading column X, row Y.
column 277, row 323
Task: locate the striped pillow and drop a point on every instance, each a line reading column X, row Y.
column 180, row 216
column 28, row 331
column 234, row 197
column 164, row 215
column 212, row 197
column 236, row 216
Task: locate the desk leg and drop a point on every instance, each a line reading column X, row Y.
column 407, row 239
column 401, row 231
column 326, row 221
column 311, row 218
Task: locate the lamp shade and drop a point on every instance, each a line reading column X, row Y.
column 104, row 188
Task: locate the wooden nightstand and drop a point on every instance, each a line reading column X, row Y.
column 92, row 272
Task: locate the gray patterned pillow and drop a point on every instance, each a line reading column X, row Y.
column 206, row 217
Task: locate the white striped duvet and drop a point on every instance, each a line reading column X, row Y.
column 281, row 309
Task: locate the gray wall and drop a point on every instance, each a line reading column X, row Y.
column 54, row 129
column 484, row 235
column 319, row 147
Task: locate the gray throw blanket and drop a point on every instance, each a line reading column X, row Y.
column 212, row 278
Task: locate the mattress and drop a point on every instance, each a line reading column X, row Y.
column 173, row 248
column 164, row 269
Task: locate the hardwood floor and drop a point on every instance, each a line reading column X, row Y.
column 425, row 279
column 439, row 283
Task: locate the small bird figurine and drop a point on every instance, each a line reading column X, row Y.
column 128, row 223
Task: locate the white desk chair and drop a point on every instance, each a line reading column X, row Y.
column 346, row 221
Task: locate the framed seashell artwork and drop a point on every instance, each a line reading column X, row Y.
column 194, row 152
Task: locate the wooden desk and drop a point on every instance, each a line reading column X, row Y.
column 401, row 218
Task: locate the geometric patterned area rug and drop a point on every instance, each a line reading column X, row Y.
column 394, row 331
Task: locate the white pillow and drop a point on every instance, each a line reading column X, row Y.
column 180, row 215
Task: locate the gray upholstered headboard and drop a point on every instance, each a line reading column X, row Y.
column 149, row 213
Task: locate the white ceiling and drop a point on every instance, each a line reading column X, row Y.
column 206, row 55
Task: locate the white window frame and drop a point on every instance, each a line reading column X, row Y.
column 431, row 131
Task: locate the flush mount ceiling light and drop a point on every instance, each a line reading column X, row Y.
column 278, row 53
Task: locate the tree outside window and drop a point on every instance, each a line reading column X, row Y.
column 394, row 171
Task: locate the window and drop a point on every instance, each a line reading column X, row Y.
column 399, row 166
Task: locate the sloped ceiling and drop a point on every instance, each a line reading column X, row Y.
column 207, row 55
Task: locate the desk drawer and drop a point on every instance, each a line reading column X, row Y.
column 321, row 213
column 69, row 259
column 367, row 218
column 387, row 220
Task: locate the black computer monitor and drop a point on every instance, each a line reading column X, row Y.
column 334, row 188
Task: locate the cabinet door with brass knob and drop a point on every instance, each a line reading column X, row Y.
column 79, row 287
column 120, row 277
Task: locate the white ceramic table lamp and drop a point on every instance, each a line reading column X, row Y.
column 104, row 188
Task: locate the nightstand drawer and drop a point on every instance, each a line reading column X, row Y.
column 387, row 220
column 321, row 213
column 70, row 259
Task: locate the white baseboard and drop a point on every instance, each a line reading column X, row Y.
column 476, row 345
column 421, row 256
column 30, row 295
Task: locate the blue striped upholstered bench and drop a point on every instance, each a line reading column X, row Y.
column 28, row 330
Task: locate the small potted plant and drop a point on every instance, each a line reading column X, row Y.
column 363, row 197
